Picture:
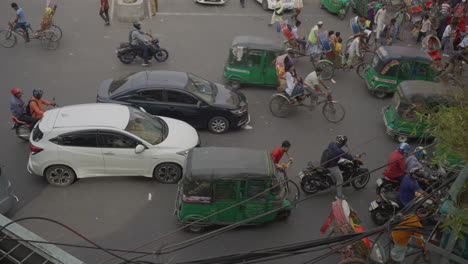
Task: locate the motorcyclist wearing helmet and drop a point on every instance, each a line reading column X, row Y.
column 409, row 186
column 330, row 159
column 36, row 104
column 18, row 107
column 396, row 167
column 417, row 159
column 139, row 39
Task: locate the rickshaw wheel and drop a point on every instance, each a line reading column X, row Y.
column 341, row 16
column 379, row 94
column 328, row 69
column 361, row 69
column 279, row 106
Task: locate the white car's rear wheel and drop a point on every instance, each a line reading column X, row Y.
column 168, row 173
column 60, row 175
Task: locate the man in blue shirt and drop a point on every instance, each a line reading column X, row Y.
column 17, row 107
column 409, row 186
column 20, row 20
column 330, row 160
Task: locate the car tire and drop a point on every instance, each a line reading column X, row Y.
column 218, row 125
column 265, row 5
column 167, row 173
column 60, row 175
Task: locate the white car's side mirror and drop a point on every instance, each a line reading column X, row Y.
column 139, row 149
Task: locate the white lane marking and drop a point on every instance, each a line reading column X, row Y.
column 149, row 196
column 112, row 10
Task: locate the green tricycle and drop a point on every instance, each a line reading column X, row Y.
column 411, row 100
column 251, row 61
column 222, row 186
column 339, row 7
column 392, row 65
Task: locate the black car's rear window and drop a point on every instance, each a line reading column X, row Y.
column 37, row 134
column 121, row 82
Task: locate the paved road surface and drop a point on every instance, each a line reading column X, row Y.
column 116, row 212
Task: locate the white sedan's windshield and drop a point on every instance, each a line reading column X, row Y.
column 146, row 127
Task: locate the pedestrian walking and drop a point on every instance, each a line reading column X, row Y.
column 386, row 33
column 104, row 11
column 379, row 20
column 154, row 7
column 242, row 3
column 460, row 9
column 313, row 39
column 277, row 15
column 298, row 5
column 425, row 27
column 399, row 20
column 448, row 36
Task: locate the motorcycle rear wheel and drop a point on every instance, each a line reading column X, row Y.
column 126, row 57
column 161, row 55
column 307, row 186
column 361, row 182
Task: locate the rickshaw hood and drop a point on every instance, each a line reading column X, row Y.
column 219, row 163
column 427, row 92
column 388, row 53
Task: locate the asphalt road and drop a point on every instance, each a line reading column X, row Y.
column 116, row 212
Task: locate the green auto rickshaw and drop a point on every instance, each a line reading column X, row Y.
column 251, row 61
column 411, row 100
column 392, row 65
column 338, row 7
column 221, row 179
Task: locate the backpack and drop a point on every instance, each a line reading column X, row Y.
column 28, row 108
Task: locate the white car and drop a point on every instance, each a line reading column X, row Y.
column 270, row 4
column 95, row 140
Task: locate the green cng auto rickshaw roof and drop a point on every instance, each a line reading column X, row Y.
column 427, row 92
column 251, row 42
column 388, row 53
column 217, row 163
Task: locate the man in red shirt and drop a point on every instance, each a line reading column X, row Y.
column 277, row 154
column 396, row 168
column 104, row 11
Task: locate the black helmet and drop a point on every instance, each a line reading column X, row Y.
column 137, row 24
column 341, row 140
column 38, row 93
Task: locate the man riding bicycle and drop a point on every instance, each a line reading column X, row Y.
column 20, row 21
column 313, row 81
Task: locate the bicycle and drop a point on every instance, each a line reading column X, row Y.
column 49, row 38
column 280, row 106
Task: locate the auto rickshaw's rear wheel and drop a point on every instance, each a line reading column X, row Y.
column 265, row 5
column 197, row 229
column 379, row 94
column 321, row 5
column 341, row 15
column 283, row 215
column 401, row 138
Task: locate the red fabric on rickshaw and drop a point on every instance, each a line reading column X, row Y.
column 416, row 9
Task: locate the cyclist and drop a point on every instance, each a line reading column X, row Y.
column 36, row 104
column 313, row 81
column 278, row 152
column 20, row 21
column 138, row 39
column 18, row 107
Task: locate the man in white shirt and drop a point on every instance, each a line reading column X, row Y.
column 313, row 81
column 447, row 37
column 302, row 42
column 354, row 50
column 379, row 20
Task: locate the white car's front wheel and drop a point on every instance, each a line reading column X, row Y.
column 60, row 175
column 168, row 173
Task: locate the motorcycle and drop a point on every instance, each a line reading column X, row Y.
column 316, row 178
column 387, row 205
column 23, row 129
column 127, row 53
